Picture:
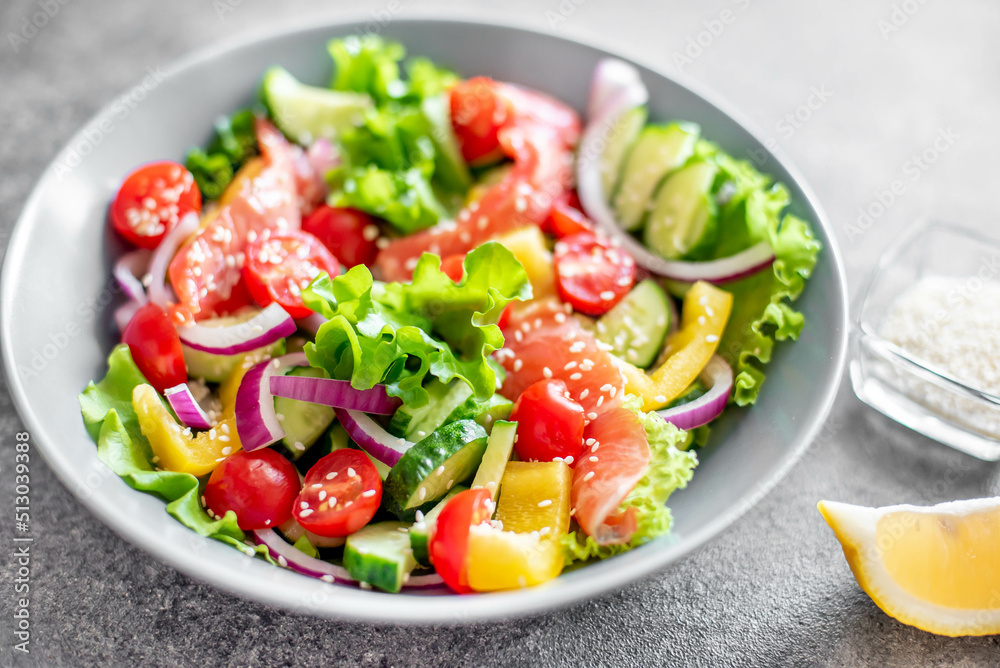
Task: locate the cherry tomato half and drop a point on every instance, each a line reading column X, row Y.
column 565, row 220
column 155, row 347
column 258, row 486
column 340, row 494
column 453, row 266
column 591, row 274
column 280, row 264
column 478, row 111
column 549, row 423
column 449, row 544
column 347, row 233
column 152, row 200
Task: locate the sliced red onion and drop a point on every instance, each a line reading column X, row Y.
column 372, row 438
column 128, row 270
column 335, row 393
column 611, row 76
column 718, row 377
column 592, row 197
column 159, row 292
column 124, row 313
column 188, row 411
column 268, row 326
column 257, row 423
column 311, row 323
column 290, row 557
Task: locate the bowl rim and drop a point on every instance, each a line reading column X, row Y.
column 421, row 610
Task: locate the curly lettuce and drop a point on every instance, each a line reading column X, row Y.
column 112, row 423
column 401, row 162
column 399, row 333
column 671, row 466
column 762, row 303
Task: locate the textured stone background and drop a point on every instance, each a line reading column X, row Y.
column 774, row 590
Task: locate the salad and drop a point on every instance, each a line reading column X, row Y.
column 411, row 330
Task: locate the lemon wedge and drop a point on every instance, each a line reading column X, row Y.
column 936, row 568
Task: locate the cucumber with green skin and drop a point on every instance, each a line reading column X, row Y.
column 303, row 422
column 306, row 113
column 658, row 151
column 498, row 449
column 621, row 140
column 637, row 325
column 498, row 407
column 380, row 554
column 683, row 222
column 428, row 470
column 420, row 532
column 414, row 424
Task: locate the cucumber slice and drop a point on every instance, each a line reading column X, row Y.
column 303, row 422
column 338, row 439
column 449, row 166
column 637, row 326
column 414, row 424
column 420, row 532
column 380, row 554
column 658, row 151
column 429, row 469
column 305, row 113
column 497, row 408
column 683, row 221
column 619, row 143
column 498, row 449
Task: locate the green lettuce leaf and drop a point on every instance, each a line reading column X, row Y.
column 232, row 145
column 113, row 424
column 397, row 164
column 399, row 333
column 762, row 303
column 671, row 467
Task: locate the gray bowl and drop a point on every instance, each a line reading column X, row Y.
column 57, row 297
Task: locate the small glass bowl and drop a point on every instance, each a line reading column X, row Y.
column 893, row 380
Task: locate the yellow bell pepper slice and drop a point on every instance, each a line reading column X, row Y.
column 175, row 450
column 528, row 246
column 534, row 510
column 704, row 316
column 197, row 454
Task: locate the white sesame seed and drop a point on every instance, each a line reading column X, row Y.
column 592, row 415
column 306, row 513
column 576, row 376
column 569, row 365
column 226, row 450
column 451, row 483
column 331, row 475
column 369, row 493
column 322, row 494
column 419, row 516
column 600, row 400
column 607, row 295
column 547, row 372
column 711, row 338
column 326, row 578
column 590, row 474
column 660, row 399
column 583, row 395
column 517, row 365
column 545, row 503
column 569, row 460
column 422, row 493
column 351, row 473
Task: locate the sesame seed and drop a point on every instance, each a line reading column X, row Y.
column 226, row 450
column 613, row 391
column 660, row 399
column 369, row 493
column 592, row 458
column 606, row 387
column 591, row 415
column 569, row 460
column 583, row 395
column 224, row 439
column 422, row 493
column 451, row 483
column 545, row 503
column 322, row 494
column 711, row 338
column 331, row 475
column 607, row 295
column 326, row 578
column 517, row 365
column 576, row 376
column 544, row 531
column 419, row 516
column 560, row 318
column 306, row 513
column 600, row 400
column 280, row 416
column 282, row 561
column 211, row 434
column 577, row 347
column 547, row 372
column 304, row 505
column 351, row 473
column 569, row 366
column 590, row 474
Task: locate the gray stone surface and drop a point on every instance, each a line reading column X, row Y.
column 773, row 590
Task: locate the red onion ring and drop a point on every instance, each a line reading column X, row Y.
column 188, row 410
column 718, row 376
column 372, row 438
column 257, row 423
column 159, row 292
column 128, row 271
column 268, row 326
column 335, row 393
column 613, row 99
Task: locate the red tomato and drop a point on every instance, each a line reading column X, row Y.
column 258, row 486
column 564, row 351
column 347, row 233
column 156, row 349
column 449, row 544
column 151, row 201
column 591, row 274
column 478, row 111
column 533, row 314
column 607, row 471
column 565, row 220
column 281, row 264
column 340, row 494
column 549, row 423
column 454, row 267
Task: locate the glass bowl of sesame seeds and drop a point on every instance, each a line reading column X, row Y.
column 926, row 337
